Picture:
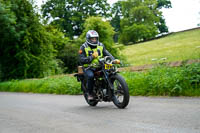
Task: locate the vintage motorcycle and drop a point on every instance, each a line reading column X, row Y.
column 108, row 84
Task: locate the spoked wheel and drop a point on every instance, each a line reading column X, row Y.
column 121, row 93
column 92, row 102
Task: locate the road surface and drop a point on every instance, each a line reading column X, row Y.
column 43, row 113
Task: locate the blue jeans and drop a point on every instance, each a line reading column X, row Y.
column 89, row 74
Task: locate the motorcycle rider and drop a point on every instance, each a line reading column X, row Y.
column 89, row 53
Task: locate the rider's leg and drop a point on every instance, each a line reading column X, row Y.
column 90, row 80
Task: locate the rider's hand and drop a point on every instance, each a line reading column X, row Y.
column 95, row 54
column 116, row 61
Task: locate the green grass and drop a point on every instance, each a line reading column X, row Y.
column 165, row 81
column 175, row 47
column 52, row 85
column 160, row 81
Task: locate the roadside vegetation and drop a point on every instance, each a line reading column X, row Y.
column 160, row 81
column 33, row 49
column 62, row 84
column 165, row 81
column 38, row 43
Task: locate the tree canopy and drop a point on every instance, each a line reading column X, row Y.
column 26, row 48
column 32, row 48
column 70, row 15
column 139, row 20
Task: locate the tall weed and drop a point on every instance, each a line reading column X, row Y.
column 52, row 85
column 164, row 81
column 160, row 81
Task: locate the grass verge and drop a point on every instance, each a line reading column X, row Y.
column 160, row 81
column 52, row 85
column 175, row 47
column 165, row 81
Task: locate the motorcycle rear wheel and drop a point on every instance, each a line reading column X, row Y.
column 121, row 92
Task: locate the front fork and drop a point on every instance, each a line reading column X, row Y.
column 110, row 85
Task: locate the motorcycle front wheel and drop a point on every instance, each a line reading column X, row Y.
column 121, row 92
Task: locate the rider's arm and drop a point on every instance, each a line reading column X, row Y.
column 106, row 53
column 82, row 56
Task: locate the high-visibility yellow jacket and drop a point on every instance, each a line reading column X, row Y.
column 86, row 51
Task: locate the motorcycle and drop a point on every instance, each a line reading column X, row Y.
column 109, row 86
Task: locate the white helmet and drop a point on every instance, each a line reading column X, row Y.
column 92, row 34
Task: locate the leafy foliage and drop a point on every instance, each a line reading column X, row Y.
column 160, row 81
column 162, row 25
column 139, row 16
column 70, row 15
column 142, row 16
column 52, row 85
column 180, row 81
column 26, row 47
column 30, row 49
column 57, row 37
column 164, row 4
column 116, row 12
column 69, row 55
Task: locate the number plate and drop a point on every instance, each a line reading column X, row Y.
column 108, row 66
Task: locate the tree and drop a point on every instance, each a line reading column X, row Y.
column 7, row 23
column 164, row 4
column 199, row 22
column 162, row 25
column 69, row 55
column 140, row 19
column 116, row 12
column 7, row 32
column 58, row 38
column 121, row 10
column 26, row 48
column 70, row 15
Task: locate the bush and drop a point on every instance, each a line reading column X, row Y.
column 137, row 33
column 179, row 81
column 69, row 55
column 161, row 81
column 52, row 85
column 27, row 48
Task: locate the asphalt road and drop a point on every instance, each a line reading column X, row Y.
column 38, row 113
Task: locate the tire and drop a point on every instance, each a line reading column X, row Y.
column 120, row 89
column 91, row 103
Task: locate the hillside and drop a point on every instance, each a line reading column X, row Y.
column 175, row 47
